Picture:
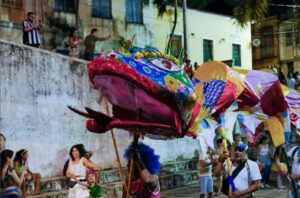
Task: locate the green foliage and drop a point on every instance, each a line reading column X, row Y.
column 248, row 10
column 161, row 5
column 297, row 17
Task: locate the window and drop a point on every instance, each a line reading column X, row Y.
column 290, row 66
column 101, row 8
column 175, row 45
column 13, row 3
column 267, row 42
column 65, row 5
column 236, row 55
column 134, row 11
column 207, row 50
column 288, row 38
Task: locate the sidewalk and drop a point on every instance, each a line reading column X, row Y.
column 193, row 192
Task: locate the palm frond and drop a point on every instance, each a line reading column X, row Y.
column 247, row 10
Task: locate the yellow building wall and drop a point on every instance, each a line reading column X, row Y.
column 204, row 25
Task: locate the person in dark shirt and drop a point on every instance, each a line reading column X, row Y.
column 31, row 31
column 90, row 42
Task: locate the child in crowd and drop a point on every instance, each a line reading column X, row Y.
column 20, row 163
column 95, row 189
column 96, row 172
column 279, row 167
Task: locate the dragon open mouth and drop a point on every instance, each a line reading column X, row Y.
column 137, row 103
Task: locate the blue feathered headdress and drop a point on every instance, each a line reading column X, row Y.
column 148, row 157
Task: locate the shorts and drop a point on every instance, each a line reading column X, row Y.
column 13, row 192
column 206, row 185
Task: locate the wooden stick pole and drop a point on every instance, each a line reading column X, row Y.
column 222, row 133
column 115, row 144
column 134, row 145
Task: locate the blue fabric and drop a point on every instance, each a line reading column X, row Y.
column 206, row 185
column 11, row 193
column 266, row 160
column 231, row 183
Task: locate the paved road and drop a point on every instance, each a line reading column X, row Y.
column 193, row 192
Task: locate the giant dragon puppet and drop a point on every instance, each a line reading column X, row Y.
column 151, row 95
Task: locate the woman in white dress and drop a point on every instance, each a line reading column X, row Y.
column 77, row 169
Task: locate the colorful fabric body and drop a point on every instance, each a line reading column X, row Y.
column 8, row 180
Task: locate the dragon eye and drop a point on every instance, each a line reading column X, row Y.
column 164, row 64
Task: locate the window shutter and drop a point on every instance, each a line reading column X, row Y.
column 236, row 55
column 129, row 10
column 105, row 9
column 59, row 5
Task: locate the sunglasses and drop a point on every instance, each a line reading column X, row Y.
column 239, row 149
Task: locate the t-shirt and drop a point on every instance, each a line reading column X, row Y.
column 95, row 191
column 204, row 171
column 89, row 43
column 295, row 162
column 241, row 180
column 31, row 37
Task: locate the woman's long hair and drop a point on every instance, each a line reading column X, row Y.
column 71, row 32
column 3, row 157
column 19, row 157
column 80, row 148
column 280, row 155
column 263, row 139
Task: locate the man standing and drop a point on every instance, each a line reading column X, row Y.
column 246, row 178
column 31, row 31
column 2, row 142
column 294, row 154
column 205, row 174
column 89, row 43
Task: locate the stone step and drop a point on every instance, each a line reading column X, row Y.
column 177, row 179
column 55, row 194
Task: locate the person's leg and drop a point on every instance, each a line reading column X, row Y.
column 37, row 181
column 268, row 172
column 23, row 188
column 203, row 186
column 210, row 188
column 220, row 179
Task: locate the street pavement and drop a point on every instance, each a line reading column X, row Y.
column 193, row 192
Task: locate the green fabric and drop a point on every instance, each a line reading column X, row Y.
column 95, row 191
column 89, row 43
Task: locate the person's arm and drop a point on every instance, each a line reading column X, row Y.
column 4, row 169
column 16, row 165
column 257, row 153
column 220, row 167
column 203, row 163
column 293, row 176
column 91, row 164
column 103, row 38
column 254, row 187
column 72, row 42
column 27, row 29
column 151, row 180
column 18, row 180
column 68, row 173
column 79, row 182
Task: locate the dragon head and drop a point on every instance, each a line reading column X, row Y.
column 148, row 90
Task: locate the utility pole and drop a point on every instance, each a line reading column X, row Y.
column 185, row 30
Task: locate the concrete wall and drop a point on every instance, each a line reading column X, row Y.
column 203, row 25
column 35, row 88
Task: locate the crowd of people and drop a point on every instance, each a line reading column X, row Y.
column 32, row 31
column 248, row 175
column 83, row 175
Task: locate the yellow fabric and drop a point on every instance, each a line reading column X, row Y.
column 285, row 90
column 282, row 167
column 242, row 72
column 276, row 130
column 211, row 70
column 202, row 114
column 236, row 79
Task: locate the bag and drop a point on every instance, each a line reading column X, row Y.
column 72, row 183
column 225, row 181
column 282, row 168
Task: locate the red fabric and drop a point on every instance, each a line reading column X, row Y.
column 258, row 130
column 247, row 98
column 294, row 117
column 273, row 102
column 226, row 99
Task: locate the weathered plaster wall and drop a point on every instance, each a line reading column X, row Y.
column 35, row 88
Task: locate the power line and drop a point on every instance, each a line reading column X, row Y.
column 283, row 5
